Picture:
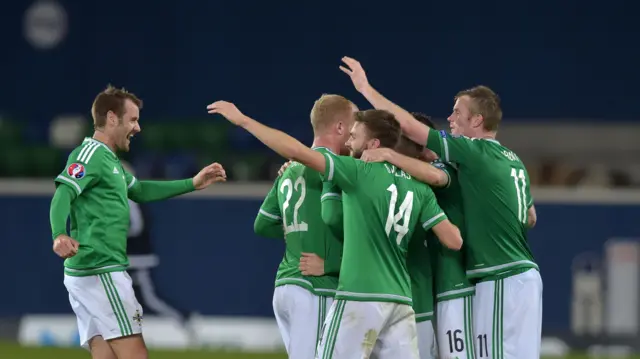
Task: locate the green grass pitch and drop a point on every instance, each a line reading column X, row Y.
column 15, row 351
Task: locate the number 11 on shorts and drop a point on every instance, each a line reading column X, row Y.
column 483, row 349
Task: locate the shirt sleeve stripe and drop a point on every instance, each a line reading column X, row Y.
column 331, row 195
column 445, row 144
column 133, row 181
column 93, row 150
column 267, row 214
column 330, row 169
column 448, row 178
column 433, row 219
column 71, row 182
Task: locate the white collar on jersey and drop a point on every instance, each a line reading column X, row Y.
column 319, row 147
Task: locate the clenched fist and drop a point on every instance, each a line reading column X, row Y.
column 65, row 246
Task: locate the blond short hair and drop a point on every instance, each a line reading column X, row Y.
column 329, row 109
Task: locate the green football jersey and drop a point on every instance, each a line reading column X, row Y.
column 419, row 265
column 294, row 201
column 495, row 187
column 449, row 267
column 100, row 214
column 384, row 209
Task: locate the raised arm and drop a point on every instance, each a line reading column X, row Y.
column 412, row 128
column 420, row 170
column 285, row 145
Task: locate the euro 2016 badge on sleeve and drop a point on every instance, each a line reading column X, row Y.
column 76, row 171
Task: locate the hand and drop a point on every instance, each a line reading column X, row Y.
column 376, row 155
column 311, row 264
column 356, row 73
column 208, row 175
column 284, row 167
column 229, row 111
column 65, row 246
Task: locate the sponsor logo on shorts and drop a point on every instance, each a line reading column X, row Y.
column 138, row 317
column 76, row 171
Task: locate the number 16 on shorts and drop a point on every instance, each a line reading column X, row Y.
column 455, row 329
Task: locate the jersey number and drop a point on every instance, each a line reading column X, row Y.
column 287, row 187
column 404, row 214
column 520, row 181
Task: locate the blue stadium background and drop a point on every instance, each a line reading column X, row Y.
column 552, row 62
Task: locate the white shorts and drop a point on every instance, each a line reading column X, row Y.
column 105, row 305
column 426, row 340
column 369, row 329
column 454, row 328
column 508, row 317
column 299, row 314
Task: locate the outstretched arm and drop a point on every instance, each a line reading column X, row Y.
column 285, row 145
column 412, row 128
column 148, row 191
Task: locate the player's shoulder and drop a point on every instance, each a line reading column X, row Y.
column 502, row 152
column 323, row 150
column 90, row 152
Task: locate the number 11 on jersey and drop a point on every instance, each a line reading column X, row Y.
column 520, row 181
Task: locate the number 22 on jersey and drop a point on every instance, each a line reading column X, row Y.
column 286, row 188
column 404, row 214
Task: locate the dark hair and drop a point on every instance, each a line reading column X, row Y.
column 382, row 125
column 424, row 119
column 406, row 146
column 111, row 99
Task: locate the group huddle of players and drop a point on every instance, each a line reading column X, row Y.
column 359, row 277
column 397, row 236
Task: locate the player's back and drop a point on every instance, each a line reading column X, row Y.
column 496, row 190
column 100, row 213
column 299, row 193
column 382, row 214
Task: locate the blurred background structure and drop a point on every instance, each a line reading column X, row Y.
column 566, row 72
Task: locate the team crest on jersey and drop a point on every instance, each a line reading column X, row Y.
column 76, row 171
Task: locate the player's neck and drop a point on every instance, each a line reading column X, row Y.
column 487, row 135
column 320, row 141
column 102, row 137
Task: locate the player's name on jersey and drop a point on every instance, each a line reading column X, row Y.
column 258, row 190
column 396, row 171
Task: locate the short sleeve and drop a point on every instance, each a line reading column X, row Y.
column 330, row 192
column 270, row 208
column 431, row 213
column 342, row 171
column 450, row 171
column 80, row 175
column 131, row 180
column 450, row 148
